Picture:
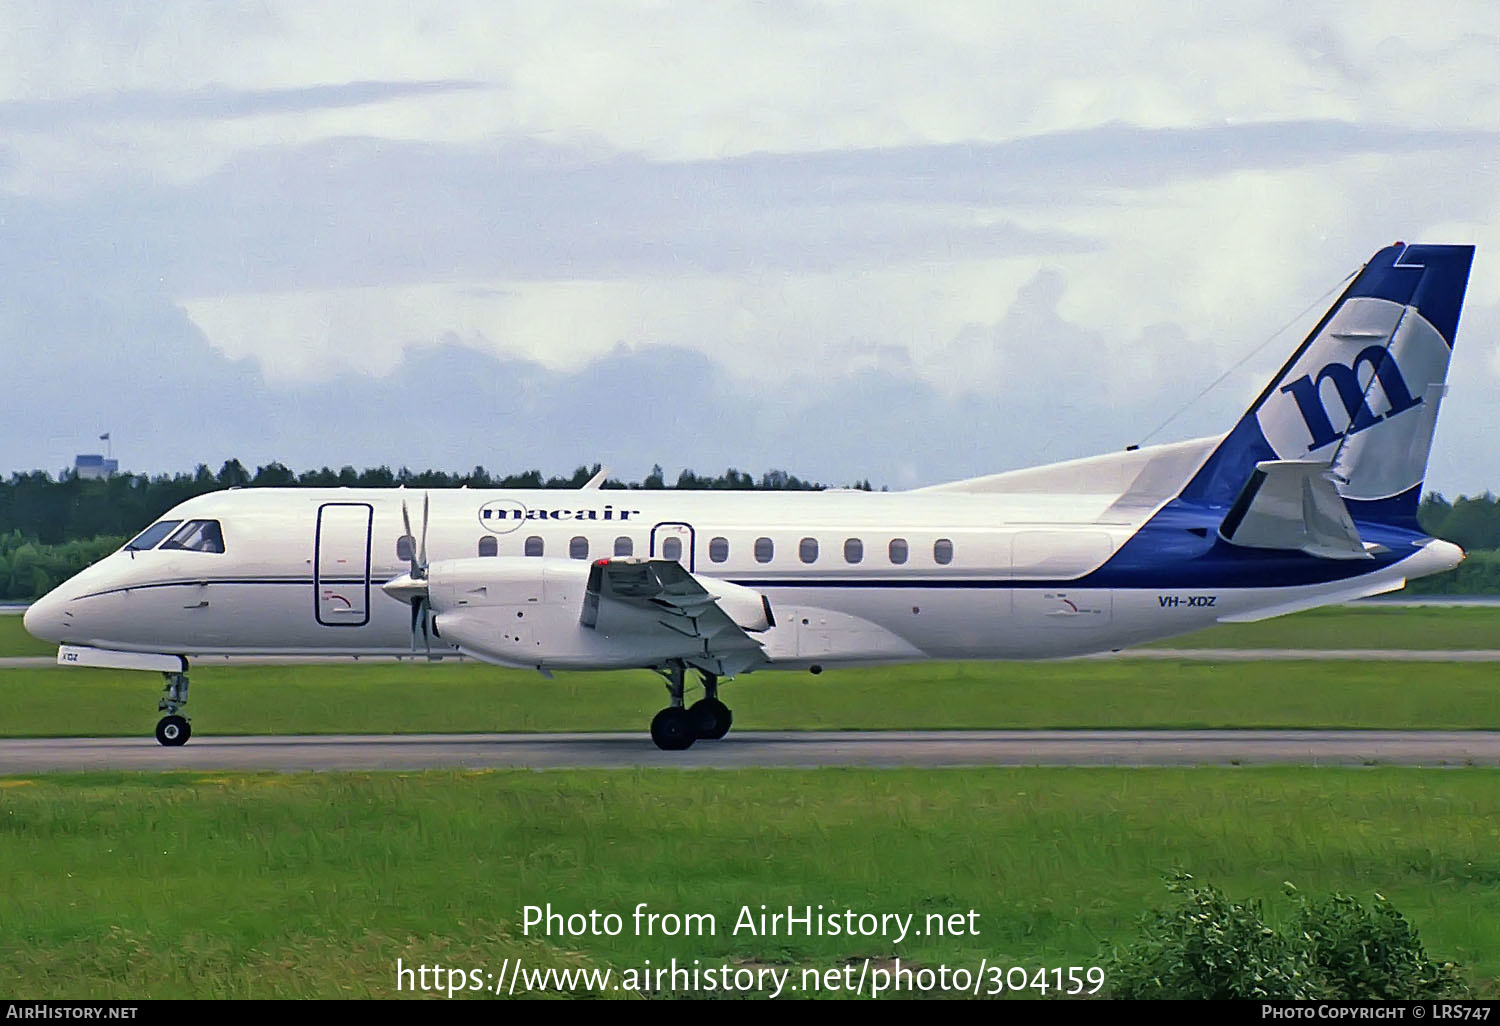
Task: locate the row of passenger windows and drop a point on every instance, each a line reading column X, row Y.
column 897, row 551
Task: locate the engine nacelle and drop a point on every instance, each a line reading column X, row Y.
column 747, row 607
column 481, row 581
column 526, row 611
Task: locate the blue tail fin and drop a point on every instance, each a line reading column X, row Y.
column 1361, row 392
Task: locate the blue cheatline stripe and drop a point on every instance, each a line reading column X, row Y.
column 301, row 582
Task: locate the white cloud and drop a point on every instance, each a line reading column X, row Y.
column 679, row 81
column 760, row 324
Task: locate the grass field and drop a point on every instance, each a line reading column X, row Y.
column 422, row 698
column 14, row 641
column 187, row 885
column 1371, row 626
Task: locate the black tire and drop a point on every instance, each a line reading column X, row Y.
column 672, row 730
column 173, row 731
column 711, row 718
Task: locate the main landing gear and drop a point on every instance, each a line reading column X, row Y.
column 676, row 727
column 173, row 729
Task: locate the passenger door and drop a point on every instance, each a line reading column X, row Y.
column 341, row 564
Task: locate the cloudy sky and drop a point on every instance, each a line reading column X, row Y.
column 907, row 242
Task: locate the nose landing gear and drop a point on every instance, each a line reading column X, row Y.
column 173, row 729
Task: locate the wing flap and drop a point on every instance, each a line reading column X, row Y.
column 640, row 596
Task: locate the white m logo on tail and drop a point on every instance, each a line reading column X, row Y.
column 1307, row 391
column 1373, row 361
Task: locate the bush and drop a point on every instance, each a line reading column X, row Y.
column 1373, row 953
column 1209, row 947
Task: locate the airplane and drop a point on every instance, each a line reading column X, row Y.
column 1309, row 499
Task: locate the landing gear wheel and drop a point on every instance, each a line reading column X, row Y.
column 173, row 731
column 672, row 729
column 711, row 718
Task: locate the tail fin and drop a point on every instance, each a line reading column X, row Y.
column 1361, row 393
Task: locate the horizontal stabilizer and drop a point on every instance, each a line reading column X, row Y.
column 1293, row 504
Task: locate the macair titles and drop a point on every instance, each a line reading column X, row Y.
column 503, row 515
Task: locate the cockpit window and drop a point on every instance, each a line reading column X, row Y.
column 148, row 538
column 197, row 536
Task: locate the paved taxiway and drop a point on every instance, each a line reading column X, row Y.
column 763, row 749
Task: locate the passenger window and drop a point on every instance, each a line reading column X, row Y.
column 534, row 546
column 578, row 548
column 854, row 550
column 197, row 536
column 149, row 538
column 624, row 546
column 764, row 550
column 807, row 551
column 942, row 551
column 898, row 550
column 671, row 548
column 488, row 546
column 406, row 546
column 718, row 549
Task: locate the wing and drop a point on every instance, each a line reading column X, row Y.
column 651, row 596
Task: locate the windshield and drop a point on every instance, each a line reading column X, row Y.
column 197, row 536
column 148, row 538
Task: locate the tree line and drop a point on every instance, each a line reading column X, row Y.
column 1473, row 524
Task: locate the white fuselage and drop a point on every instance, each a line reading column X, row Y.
column 851, row 577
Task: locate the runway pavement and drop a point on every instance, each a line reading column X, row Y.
column 765, row 749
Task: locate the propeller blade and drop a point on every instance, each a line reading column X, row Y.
column 406, row 526
column 421, row 619
column 422, row 552
column 413, row 586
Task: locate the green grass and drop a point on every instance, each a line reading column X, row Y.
column 1415, row 627
column 229, row 885
column 420, row 698
column 14, row 641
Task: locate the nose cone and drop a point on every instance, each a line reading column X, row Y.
column 47, row 618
